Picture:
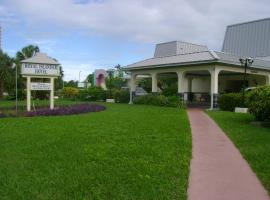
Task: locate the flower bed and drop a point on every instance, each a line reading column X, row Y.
column 67, row 110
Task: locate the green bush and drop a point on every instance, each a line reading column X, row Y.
column 158, row 100
column 170, row 91
column 121, row 96
column 258, row 101
column 70, row 92
column 229, row 101
column 93, row 94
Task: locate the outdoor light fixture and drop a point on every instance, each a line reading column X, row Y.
column 246, row 62
column 14, row 66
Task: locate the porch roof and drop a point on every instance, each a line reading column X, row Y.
column 41, row 58
column 202, row 57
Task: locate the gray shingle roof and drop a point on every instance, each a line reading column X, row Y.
column 196, row 58
column 172, row 60
column 41, row 58
column 177, row 47
column 248, row 39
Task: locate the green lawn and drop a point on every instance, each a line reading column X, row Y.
column 22, row 104
column 252, row 141
column 125, row 152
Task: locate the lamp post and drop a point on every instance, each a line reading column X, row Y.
column 14, row 66
column 80, row 76
column 246, row 62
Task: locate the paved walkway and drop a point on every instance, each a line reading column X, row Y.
column 218, row 171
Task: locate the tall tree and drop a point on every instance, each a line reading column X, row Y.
column 5, row 72
column 27, row 52
column 24, row 53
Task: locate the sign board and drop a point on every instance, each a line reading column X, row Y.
column 40, row 86
column 81, row 85
column 40, row 69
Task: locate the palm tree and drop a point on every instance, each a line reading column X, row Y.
column 27, row 52
column 5, row 71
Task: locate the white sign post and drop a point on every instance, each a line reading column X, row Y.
column 40, row 66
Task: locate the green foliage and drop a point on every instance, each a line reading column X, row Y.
column 158, row 100
column 146, row 84
column 70, row 92
column 93, row 94
column 27, row 52
column 170, row 90
column 229, row 101
column 71, row 83
column 90, row 78
column 121, row 96
column 6, row 73
column 258, row 101
column 115, row 82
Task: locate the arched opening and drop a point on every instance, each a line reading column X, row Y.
column 234, row 82
column 167, row 83
column 197, row 88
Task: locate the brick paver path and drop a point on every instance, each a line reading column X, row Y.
column 218, row 171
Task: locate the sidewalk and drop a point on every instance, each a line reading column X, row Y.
column 218, row 171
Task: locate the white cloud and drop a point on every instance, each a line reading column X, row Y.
column 201, row 21
column 144, row 21
column 72, row 69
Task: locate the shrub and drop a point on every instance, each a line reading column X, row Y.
column 70, row 92
column 229, row 101
column 93, row 94
column 97, row 94
column 121, row 96
column 170, row 91
column 258, row 101
column 158, row 100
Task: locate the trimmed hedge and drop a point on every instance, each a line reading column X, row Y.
column 93, row 94
column 70, row 92
column 121, row 96
column 158, row 100
column 229, row 101
column 258, row 101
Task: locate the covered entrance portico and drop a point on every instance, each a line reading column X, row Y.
column 202, row 74
column 202, row 84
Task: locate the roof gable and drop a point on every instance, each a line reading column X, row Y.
column 248, row 39
column 177, row 48
column 41, row 58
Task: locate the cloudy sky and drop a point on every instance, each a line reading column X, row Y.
column 88, row 34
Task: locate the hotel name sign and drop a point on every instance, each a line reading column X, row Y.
column 32, row 69
column 40, row 86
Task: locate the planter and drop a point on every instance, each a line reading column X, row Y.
column 110, row 100
column 241, row 110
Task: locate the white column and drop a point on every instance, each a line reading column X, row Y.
column 180, row 84
column 132, row 87
column 214, row 86
column 28, row 92
column 52, row 94
column 154, row 82
column 267, row 80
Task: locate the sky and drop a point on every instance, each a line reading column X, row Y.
column 84, row 35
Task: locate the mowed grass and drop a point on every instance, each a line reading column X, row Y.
column 125, row 152
column 252, row 141
column 22, row 104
